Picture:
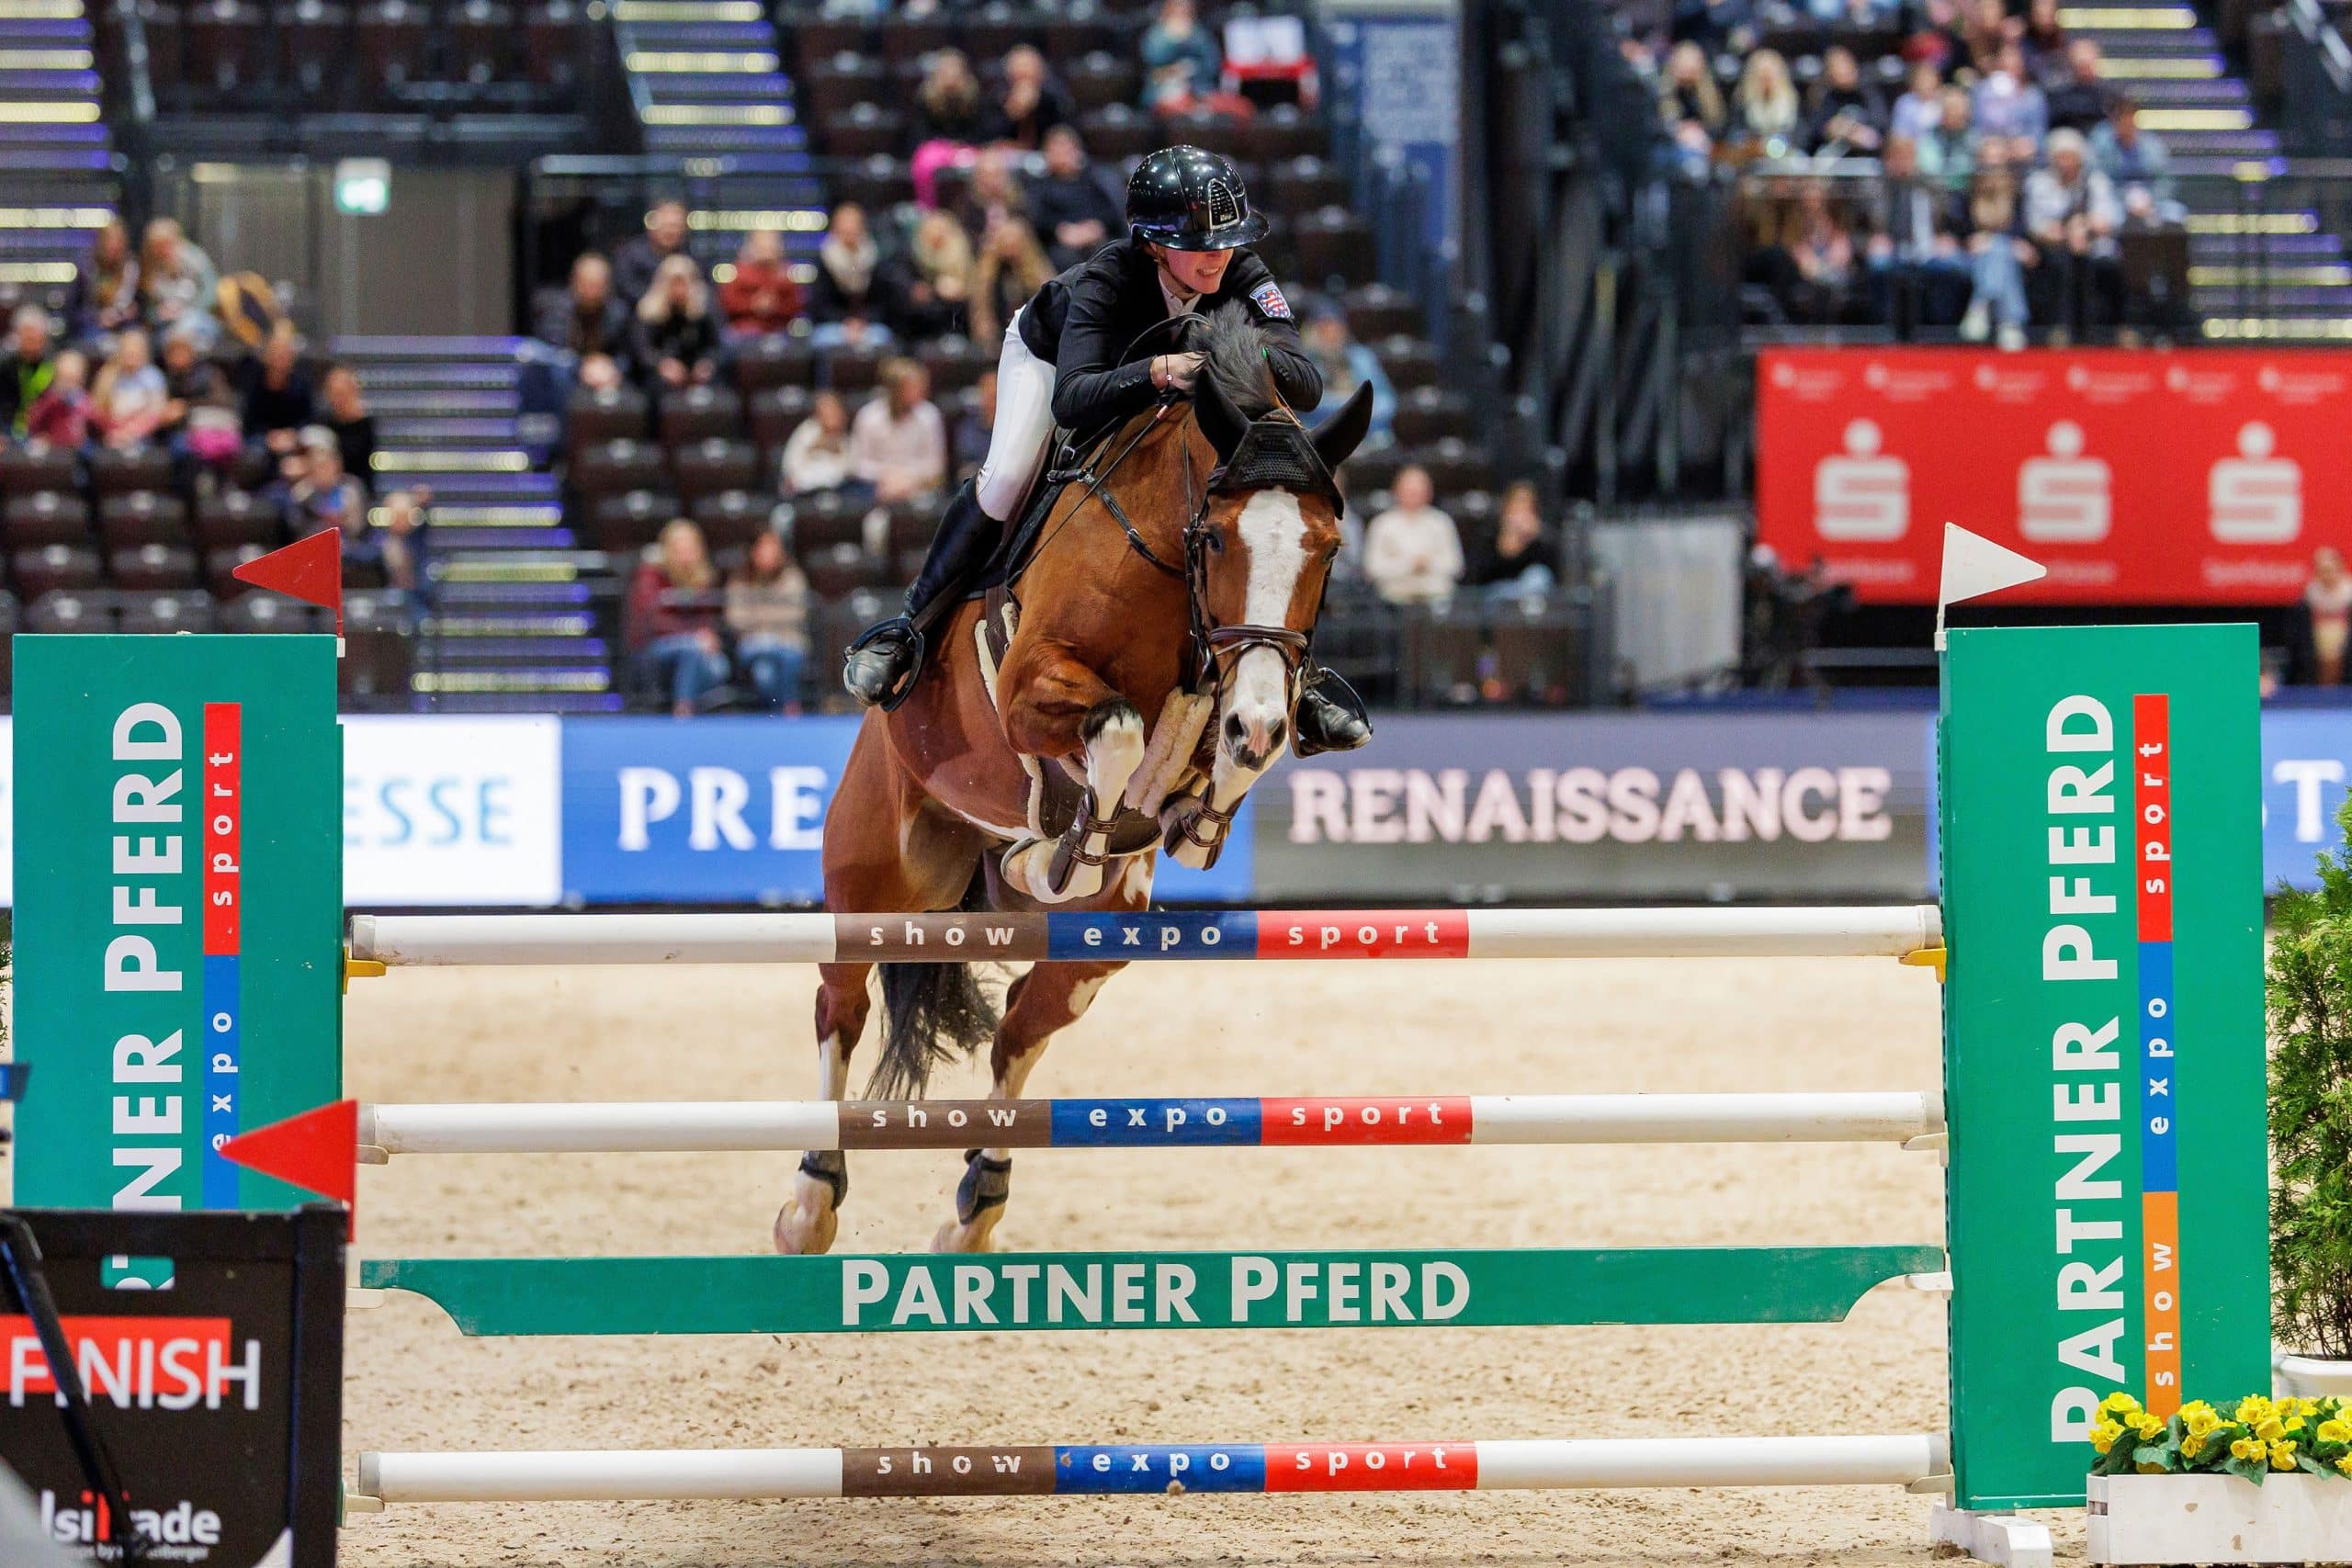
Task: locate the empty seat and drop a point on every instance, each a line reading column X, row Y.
column 219, row 567
column 998, row 24
column 851, row 371
column 227, row 49
column 266, row 613
column 608, row 467
column 611, row 414
column 1305, row 185
column 877, row 184
column 1335, row 248
column 1454, row 465
column 732, row 518
column 480, row 41
column 777, row 359
column 393, row 40
column 1279, row 133
column 815, row 35
column 624, row 523
column 717, row 464
column 63, row 609
column 864, row 130
column 818, row 522
column 829, row 88
column 114, row 471
column 164, row 612
column 839, row 570
column 698, row 413
column 1116, row 133
column 227, row 517
column 1410, row 363
column 905, row 39
column 1203, row 127
column 777, row 413
column 153, row 565
column 377, row 661
column 555, row 44
column 1103, row 78
column 1376, row 311
column 143, row 517
column 44, row 517
column 315, row 36
column 36, row 466
column 1429, row 414
column 51, row 567
column 955, row 363
column 1443, row 647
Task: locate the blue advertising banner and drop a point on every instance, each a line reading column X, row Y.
column 732, row 810
column 2306, row 762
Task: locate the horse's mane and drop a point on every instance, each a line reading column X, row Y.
column 1237, row 360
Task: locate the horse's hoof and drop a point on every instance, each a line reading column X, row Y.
column 800, row 1233
column 955, row 1237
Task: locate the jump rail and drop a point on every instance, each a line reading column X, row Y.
column 1127, row 1469
column 1888, row 931
column 711, row 1126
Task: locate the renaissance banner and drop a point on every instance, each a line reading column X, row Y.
column 2205, row 478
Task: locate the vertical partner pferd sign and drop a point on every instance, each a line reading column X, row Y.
column 2104, row 1037
column 179, row 913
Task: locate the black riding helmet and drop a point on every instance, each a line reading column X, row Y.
column 1189, row 198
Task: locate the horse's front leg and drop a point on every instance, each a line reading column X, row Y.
column 1194, row 825
column 1059, row 706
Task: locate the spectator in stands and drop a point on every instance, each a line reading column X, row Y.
column 1848, row 115
column 816, row 456
column 932, row 282
column 641, row 255
column 674, row 615
column 767, row 615
column 2043, row 38
column 1765, row 108
column 1817, row 282
column 1180, row 61
column 587, row 318
column 1920, row 110
column 2080, row 101
column 343, row 410
column 61, row 416
column 948, row 121
column 1412, row 551
column 759, row 296
column 2071, row 214
column 2008, row 107
column 1688, row 95
column 1033, row 103
column 1918, row 275
column 1011, row 269
column 1947, row 152
column 178, row 282
column 200, row 418
column 1346, row 364
column 970, row 442
column 677, row 338
column 2327, row 605
column 849, row 266
column 105, row 286
column 1988, row 28
column 276, row 391
column 1077, row 210
column 2132, row 159
column 1939, row 39
column 994, row 194
column 898, row 441
column 1998, row 253
column 1860, row 15
column 129, row 400
column 27, row 369
column 1519, row 563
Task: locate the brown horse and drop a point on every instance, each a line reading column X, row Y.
column 1162, row 620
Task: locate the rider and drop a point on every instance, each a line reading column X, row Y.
column 1066, row 361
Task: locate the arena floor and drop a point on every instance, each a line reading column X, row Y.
column 1173, row 1028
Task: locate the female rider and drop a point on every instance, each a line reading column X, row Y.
column 1066, row 362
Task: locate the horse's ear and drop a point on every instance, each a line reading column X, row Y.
column 1344, row 431
column 1218, row 421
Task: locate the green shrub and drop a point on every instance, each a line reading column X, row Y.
column 2311, row 1109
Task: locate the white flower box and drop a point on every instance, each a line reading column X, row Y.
column 2290, row 1518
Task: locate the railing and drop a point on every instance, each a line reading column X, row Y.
column 2316, row 68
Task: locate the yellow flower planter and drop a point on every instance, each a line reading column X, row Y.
column 2220, row 1519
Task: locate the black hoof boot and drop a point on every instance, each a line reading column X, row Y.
column 881, row 666
column 1331, row 717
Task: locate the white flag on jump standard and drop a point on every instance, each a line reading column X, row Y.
column 1975, row 565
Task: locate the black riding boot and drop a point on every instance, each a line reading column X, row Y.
column 884, row 662
column 1331, row 717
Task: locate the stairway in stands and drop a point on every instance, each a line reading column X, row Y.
column 57, row 175
column 513, row 625
column 2258, row 269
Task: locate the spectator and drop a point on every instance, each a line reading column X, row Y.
column 2071, row 215
column 2007, row 106
column 898, row 441
column 129, row 400
column 674, row 618
column 677, row 341
column 767, row 614
column 1688, row 95
column 1988, row 28
column 2327, row 601
column 1077, row 209
column 816, row 456
column 1517, row 563
column 2081, row 101
column 2043, row 38
column 1032, row 102
column 1346, row 364
column 2132, row 159
column 61, row 416
column 1764, row 106
column 1412, row 551
column 200, row 418
column 105, row 286
column 848, row 269
column 1009, row 270
column 587, row 318
column 993, row 195
column 1939, row 39
column 344, row 412
column 760, row 297
column 1918, row 273
column 1947, row 152
column 641, row 255
column 1180, row 61
column 314, row 492
column 970, row 443
column 1848, row 115
column 1918, row 111
column 27, row 369
column 932, row 280
column 276, row 391
column 1998, row 255
column 1818, row 247
column 949, row 120
column 178, row 282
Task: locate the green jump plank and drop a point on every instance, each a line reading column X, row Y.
column 912, row 1292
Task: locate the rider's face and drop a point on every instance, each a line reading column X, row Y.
column 1195, row 272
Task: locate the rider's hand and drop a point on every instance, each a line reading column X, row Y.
column 1177, row 370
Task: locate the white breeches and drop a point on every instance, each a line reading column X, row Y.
column 1023, row 428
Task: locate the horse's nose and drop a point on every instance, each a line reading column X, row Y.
column 1253, row 737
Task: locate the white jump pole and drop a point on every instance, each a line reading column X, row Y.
column 1908, row 1460
column 711, row 1126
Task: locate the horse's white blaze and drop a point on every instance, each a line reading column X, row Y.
column 1274, row 531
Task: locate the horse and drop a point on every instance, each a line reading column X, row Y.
column 1119, row 697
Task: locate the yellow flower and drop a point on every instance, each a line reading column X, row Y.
column 2344, row 1464
column 2307, row 1406
column 2282, row 1456
column 2103, row 1436
column 2190, row 1447
column 2200, row 1420
column 2194, row 1405
column 2338, row 1430
column 2253, row 1409
column 2147, row 1426
column 2247, row 1448
column 2270, row 1431
column 2118, row 1403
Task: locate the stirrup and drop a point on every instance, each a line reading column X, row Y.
column 904, row 655
column 1321, row 692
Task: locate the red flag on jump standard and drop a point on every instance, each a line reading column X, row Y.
column 310, row 569
column 318, row 1149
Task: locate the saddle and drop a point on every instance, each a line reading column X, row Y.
column 1067, row 459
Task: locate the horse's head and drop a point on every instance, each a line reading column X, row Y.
column 1259, row 554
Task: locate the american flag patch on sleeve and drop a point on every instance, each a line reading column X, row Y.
column 1267, row 298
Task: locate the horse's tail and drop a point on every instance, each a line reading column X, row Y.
column 932, row 1014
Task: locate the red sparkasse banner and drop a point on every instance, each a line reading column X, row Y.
column 2205, row 476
